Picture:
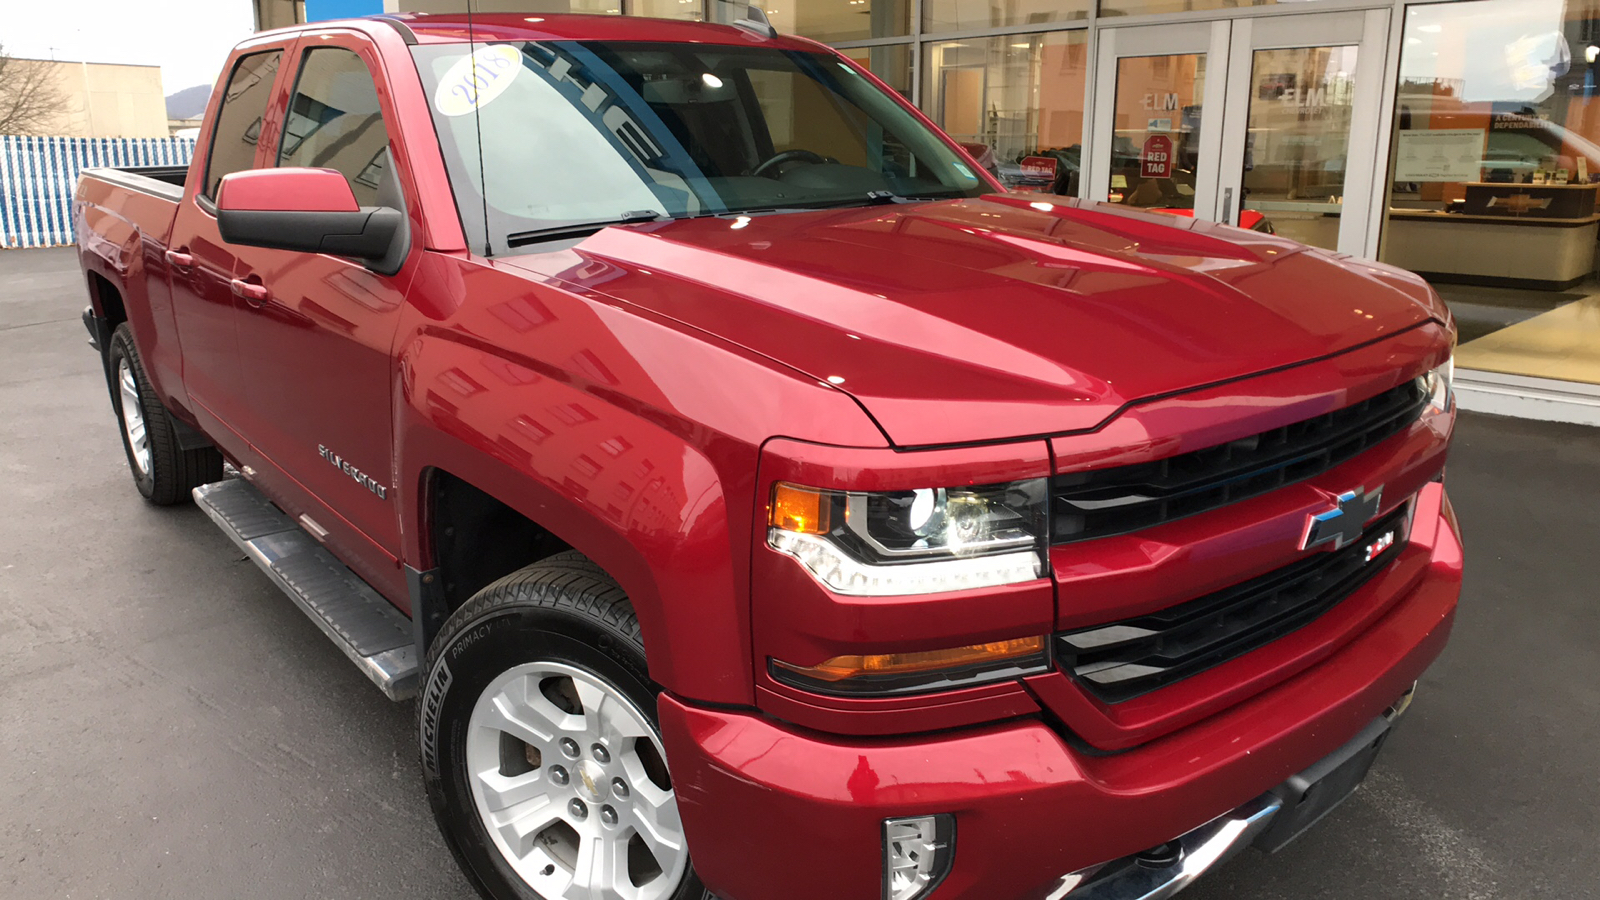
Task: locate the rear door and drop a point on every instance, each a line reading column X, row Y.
column 316, row 354
column 200, row 265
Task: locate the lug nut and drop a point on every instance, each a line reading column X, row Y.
column 569, row 747
column 608, row 815
column 578, row 810
column 619, row 788
column 600, row 753
column 559, row 776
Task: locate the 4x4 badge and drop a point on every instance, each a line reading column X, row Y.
column 1343, row 523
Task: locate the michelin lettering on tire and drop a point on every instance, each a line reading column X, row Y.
column 432, row 702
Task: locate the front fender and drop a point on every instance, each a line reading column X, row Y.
column 633, row 441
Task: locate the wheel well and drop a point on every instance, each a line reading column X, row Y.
column 107, row 299
column 477, row 539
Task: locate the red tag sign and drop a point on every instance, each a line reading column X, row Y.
column 1039, row 167
column 1156, row 160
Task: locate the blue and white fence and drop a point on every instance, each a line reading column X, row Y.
column 37, row 175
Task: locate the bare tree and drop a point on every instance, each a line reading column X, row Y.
column 30, row 99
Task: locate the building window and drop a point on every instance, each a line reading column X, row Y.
column 1020, row 97
column 1495, row 166
column 690, row 10
column 891, row 62
column 964, row 15
column 841, row 20
column 1148, row 7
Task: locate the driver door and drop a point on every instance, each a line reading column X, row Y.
column 316, row 351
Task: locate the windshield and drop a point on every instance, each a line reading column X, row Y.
column 573, row 133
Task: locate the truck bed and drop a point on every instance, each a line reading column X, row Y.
column 161, row 181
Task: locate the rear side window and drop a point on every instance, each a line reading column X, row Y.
column 335, row 123
column 233, row 141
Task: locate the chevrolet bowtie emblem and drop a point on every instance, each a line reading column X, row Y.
column 1344, row 523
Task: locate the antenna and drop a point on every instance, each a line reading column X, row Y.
column 756, row 22
column 477, row 124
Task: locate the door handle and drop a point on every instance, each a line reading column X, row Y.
column 179, row 260
column 252, row 293
column 1227, row 206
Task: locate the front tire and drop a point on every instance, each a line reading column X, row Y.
column 540, row 746
column 163, row 471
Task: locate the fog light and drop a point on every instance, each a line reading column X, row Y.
column 917, row 853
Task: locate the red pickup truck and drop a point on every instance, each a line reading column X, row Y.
column 758, row 501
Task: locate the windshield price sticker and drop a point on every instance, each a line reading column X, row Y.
column 1156, row 160
column 476, row 79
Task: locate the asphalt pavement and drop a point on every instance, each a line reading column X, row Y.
column 172, row 726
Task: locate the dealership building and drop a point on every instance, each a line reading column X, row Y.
column 1455, row 139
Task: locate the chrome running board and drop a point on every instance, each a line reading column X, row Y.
column 376, row 636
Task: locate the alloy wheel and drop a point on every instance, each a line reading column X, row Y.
column 133, row 417
column 570, row 782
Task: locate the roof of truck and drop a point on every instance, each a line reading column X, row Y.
column 436, row 28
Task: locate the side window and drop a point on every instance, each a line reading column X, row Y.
column 233, row 142
column 335, row 123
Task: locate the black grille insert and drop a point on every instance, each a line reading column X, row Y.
column 1107, row 502
column 1122, row 660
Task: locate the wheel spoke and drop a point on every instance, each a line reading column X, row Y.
column 520, row 828
column 501, row 792
column 656, row 814
column 604, row 717
column 601, row 870
column 512, row 713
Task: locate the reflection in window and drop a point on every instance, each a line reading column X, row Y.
column 238, row 129
column 334, row 122
column 1495, row 166
column 1020, row 97
column 1301, row 103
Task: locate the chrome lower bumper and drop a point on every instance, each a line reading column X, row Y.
column 1164, row 871
column 1201, row 850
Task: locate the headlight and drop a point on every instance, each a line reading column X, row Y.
column 1439, row 385
column 912, row 542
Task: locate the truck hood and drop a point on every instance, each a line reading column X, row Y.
column 1000, row 317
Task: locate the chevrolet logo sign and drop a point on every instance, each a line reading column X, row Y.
column 1344, row 523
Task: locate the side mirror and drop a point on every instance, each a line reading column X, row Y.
column 310, row 211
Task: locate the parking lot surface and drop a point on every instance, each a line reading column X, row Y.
column 171, row 725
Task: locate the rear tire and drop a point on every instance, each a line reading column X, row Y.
column 163, row 471
column 540, row 746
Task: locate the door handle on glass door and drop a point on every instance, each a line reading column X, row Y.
column 253, row 294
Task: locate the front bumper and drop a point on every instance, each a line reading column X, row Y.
column 1029, row 805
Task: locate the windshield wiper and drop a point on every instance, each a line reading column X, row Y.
column 873, row 198
column 580, row 229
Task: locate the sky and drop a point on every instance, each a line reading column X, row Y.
column 188, row 39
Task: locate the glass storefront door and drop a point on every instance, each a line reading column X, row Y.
column 1152, row 143
column 1289, row 144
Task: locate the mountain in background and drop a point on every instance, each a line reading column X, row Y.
column 189, row 103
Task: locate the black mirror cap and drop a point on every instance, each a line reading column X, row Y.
column 374, row 234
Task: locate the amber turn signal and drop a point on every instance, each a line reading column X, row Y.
column 844, row 668
column 800, row 510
